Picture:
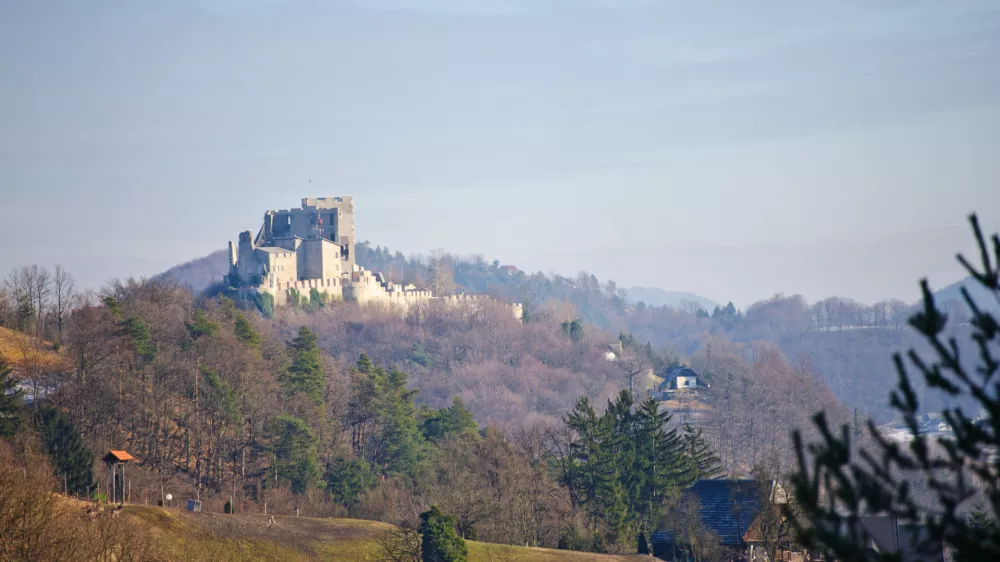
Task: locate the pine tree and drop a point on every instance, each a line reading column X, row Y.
column 294, row 448
column 397, row 445
column 246, row 333
column 439, row 541
column 305, row 374
column 666, row 465
column 139, row 339
column 11, row 401
column 348, row 479
column 706, row 462
column 455, row 420
column 836, row 483
column 642, row 547
column 594, row 471
column 201, row 325
column 71, row 459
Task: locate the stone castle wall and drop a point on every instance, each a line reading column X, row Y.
column 313, row 248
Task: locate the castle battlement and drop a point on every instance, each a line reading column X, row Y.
column 312, row 247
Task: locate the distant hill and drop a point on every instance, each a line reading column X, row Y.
column 655, row 296
column 198, row 274
column 980, row 295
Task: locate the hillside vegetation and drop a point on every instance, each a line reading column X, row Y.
column 341, row 410
column 846, row 344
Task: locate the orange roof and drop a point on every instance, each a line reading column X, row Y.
column 120, row 456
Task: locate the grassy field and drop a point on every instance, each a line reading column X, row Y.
column 218, row 537
column 20, row 351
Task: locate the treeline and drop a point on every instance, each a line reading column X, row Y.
column 36, row 301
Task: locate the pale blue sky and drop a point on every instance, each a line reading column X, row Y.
column 733, row 149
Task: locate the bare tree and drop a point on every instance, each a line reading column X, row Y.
column 17, row 287
column 631, row 366
column 401, row 544
column 6, row 308
column 689, row 306
column 40, row 283
column 64, row 289
column 773, row 530
column 442, row 274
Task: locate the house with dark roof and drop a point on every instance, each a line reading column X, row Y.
column 727, row 508
column 680, row 381
column 731, row 510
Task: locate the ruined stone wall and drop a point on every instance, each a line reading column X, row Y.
column 473, row 301
column 365, row 288
column 248, row 268
column 326, row 263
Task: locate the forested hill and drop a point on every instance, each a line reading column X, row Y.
column 848, row 345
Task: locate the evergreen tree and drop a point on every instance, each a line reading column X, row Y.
column 265, row 304
column 11, row 401
column 71, row 459
column 663, row 465
column 438, row 540
column 642, row 547
column 591, row 472
column 624, row 465
column 397, row 446
column 455, row 420
column 706, row 462
column 246, row 333
column 348, row 479
column 836, row 483
column 305, row 374
column 293, row 445
column 139, row 339
column 201, row 325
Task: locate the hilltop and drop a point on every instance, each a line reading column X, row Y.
column 953, row 293
column 655, row 296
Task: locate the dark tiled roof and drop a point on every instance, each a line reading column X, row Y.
column 681, row 371
column 727, row 507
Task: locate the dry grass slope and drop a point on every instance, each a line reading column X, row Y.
column 231, row 538
column 18, row 349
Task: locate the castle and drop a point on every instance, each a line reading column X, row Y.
column 310, row 251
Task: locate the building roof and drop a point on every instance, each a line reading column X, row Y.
column 118, row 456
column 909, row 540
column 274, row 249
column 681, row 372
column 727, row 507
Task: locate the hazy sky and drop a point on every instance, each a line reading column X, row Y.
column 734, row 149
